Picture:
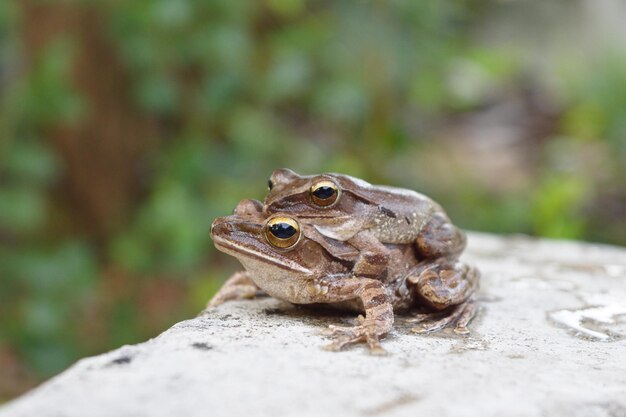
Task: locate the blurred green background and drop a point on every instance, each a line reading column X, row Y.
column 127, row 126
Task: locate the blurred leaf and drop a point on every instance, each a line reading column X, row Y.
column 22, row 210
column 342, row 101
column 48, row 96
column 158, row 93
column 287, row 8
column 288, row 76
column 171, row 232
column 32, row 162
column 557, row 208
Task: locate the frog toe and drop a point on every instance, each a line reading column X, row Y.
column 346, row 336
column 431, row 326
column 459, row 317
column 461, row 330
column 340, row 341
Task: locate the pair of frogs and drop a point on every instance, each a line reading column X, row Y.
column 337, row 240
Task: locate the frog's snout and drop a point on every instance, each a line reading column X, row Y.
column 212, row 232
column 234, row 227
column 219, row 226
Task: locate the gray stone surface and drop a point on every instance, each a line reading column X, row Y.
column 549, row 341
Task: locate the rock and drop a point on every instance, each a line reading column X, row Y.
column 549, row 340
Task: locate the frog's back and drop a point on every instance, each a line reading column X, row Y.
column 400, row 215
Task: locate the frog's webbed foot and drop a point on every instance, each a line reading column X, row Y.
column 459, row 316
column 368, row 332
column 238, row 287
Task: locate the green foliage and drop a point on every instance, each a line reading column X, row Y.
column 44, row 282
column 557, row 208
column 598, row 110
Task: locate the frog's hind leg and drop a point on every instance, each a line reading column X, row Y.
column 459, row 316
column 446, row 287
column 238, row 287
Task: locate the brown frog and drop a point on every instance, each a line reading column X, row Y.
column 283, row 259
column 365, row 216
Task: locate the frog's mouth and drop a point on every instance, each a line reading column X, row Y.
column 233, row 239
column 238, row 251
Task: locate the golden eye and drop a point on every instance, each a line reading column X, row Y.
column 324, row 193
column 282, row 232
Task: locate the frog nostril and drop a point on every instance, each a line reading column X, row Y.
column 219, row 226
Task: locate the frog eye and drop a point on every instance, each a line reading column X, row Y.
column 282, row 232
column 270, row 184
column 324, row 193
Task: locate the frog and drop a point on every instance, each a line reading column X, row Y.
column 366, row 216
column 286, row 259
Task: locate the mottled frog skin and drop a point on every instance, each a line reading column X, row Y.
column 292, row 261
column 366, row 216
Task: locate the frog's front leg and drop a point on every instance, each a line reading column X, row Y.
column 440, row 238
column 373, row 255
column 378, row 319
column 238, row 287
column 447, row 287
